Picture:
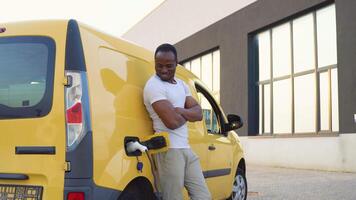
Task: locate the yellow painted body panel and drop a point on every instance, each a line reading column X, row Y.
column 117, row 72
column 43, row 170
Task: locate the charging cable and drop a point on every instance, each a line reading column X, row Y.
column 134, row 146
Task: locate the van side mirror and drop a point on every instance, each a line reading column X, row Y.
column 234, row 122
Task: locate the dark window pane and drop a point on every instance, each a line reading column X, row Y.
column 26, row 65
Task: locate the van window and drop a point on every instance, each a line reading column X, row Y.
column 26, row 76
column 209, row 115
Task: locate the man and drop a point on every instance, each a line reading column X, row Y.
column 170, row 105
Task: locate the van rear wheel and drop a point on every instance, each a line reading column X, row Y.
column 137, row 191
column 239, row 187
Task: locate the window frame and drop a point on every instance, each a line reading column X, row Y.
column 216, row 109
column 256, row 127
column 199, row 57
column 44, row 106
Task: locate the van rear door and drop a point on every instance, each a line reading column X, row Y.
column 32, row 126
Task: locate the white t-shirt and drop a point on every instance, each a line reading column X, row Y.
column 155, row 90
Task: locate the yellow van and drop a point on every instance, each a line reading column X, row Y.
column 70, row 97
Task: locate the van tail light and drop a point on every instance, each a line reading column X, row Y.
column 77, row 108
column 76, row 196
column 74, row 114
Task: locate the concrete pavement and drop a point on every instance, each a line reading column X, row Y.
column 269, row 183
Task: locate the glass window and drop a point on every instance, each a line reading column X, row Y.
column 326, row 30
column 324, row 101
column 260, row 111
column 303, row 43
column 304, row 88
column 195, row 67
column 282, row 108
column 267, row 108
column 187, row 65
column 216, row 75
column 26, row 76
column 264, row 54
column 281, row 44
column 209, row 116
column 207, row 68
column 334, row 100
column 302, row 49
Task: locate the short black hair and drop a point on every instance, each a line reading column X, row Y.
column 167, row 48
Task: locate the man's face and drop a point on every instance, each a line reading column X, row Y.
column 165, row 65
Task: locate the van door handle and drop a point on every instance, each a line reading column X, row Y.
column 212, row 147
column 5, row 176
column 35, row 150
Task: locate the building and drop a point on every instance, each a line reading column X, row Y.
column 286, row 67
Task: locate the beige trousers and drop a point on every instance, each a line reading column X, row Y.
column 178, row 168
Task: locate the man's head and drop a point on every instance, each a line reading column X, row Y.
column 166, row 62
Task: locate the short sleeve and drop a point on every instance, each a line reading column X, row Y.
column 186, row 89
column 153, row 92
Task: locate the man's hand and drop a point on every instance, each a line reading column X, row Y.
column 168, row 115
column 192, row 111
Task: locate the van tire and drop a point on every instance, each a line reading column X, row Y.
column 137, row 191
column 240, row 183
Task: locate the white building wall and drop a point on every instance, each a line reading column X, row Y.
column 175, row 20
column 318, row 153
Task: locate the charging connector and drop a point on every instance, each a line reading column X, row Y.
column 134, row 146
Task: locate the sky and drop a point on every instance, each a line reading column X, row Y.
column 111, row 16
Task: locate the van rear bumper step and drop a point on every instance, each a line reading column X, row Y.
column 35, row 150
column 6, row 176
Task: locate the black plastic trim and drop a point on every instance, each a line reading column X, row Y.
column 35, row 150
column 5, row 176
column 80, row 176
column 81, row 159
column 90, row 189
column 74, row 59
column 218, row 112
column 216, row 173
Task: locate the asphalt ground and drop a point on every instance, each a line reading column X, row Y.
column 266, row 183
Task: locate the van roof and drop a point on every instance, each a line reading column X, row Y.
column 121, row 44
column 51, row 27
column 58, row 27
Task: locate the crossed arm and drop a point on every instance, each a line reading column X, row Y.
column 174, row 118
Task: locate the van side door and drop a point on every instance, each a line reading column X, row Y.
column 220, row 148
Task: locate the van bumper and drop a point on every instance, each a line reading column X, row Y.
column 90, row 189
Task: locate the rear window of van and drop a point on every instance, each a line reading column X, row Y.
column 26, row 76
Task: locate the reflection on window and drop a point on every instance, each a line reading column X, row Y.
column 282, row 106
column 267, row 109
column 303, row 43
column 195, row 67
column 187, row 65
column 334, row 100
column 216, row 75
column 23, row 73
column 281, row 50
column 209, row 115
column 324, row 101
column 264, row 53
column 326, row 26
column 301, row 54
column 260, row 111
column 304, row 98
column 207, row 75
column 207, row 68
